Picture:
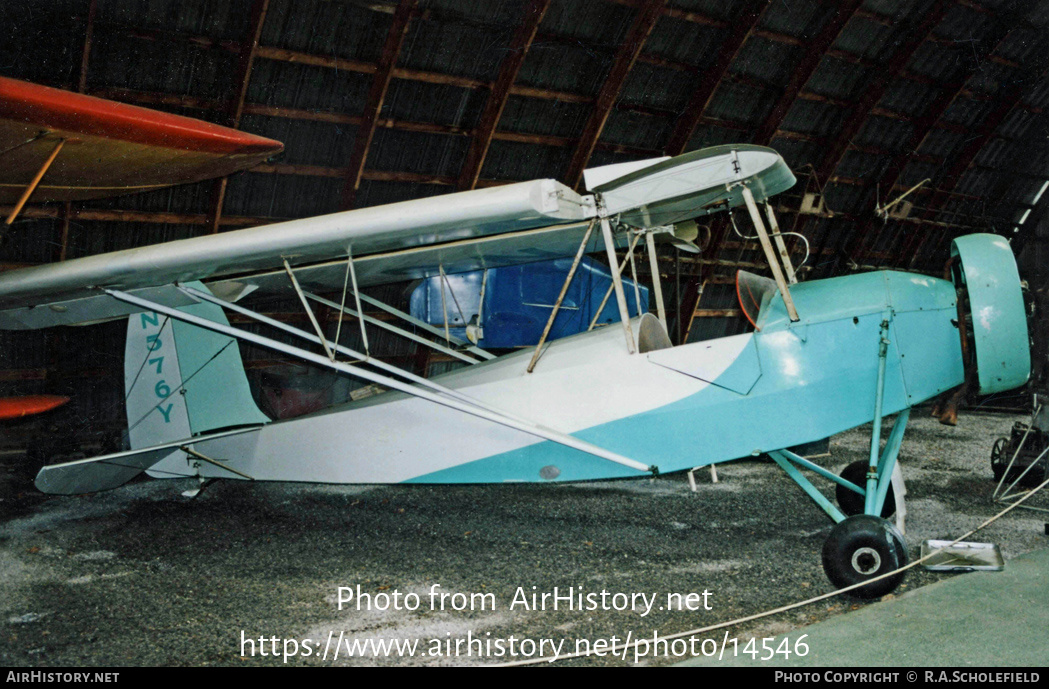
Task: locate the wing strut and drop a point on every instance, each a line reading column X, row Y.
column 309, row 312
column 34, row 183
column 462, row 356
column 770, row 254
column 657, row 283
column 329, row 346
column 560, row 297
column 357, row 299
column 349, row 369
column 420, row 324
column 617, row 280
column 608, row 293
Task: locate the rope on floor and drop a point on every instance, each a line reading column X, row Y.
column 618, row 650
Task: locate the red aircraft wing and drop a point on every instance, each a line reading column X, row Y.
column 110, row 148
column 17, row 407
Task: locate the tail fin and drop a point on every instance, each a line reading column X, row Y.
column 181, row 381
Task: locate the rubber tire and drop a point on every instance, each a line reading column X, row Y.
column 997, row 464
column 840, row 552
column 852, row 502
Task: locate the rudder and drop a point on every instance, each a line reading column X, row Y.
column 181, row 381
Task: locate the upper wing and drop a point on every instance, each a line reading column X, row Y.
column 516, row 223
column 52, row 294
column 524, row 246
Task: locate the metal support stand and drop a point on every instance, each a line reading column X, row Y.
column 692, row 477
column 202, row 483
column 1005, row 494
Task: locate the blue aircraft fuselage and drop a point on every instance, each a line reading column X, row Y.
column 789, row 383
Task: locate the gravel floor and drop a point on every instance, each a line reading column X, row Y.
column 142, row 576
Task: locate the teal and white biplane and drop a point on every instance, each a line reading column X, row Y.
column 619, row 401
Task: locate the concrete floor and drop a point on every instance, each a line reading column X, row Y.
column 982, row 619
column 142, row 576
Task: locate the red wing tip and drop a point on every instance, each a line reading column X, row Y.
column 24, row 101
column 17, row 407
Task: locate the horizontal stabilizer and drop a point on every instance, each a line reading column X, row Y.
column 111, row 471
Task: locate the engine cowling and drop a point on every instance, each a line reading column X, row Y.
column 984, row 266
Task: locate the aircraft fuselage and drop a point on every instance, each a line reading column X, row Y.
column 674, row 408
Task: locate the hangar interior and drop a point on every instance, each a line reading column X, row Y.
column 908, row 123
column 378, row 102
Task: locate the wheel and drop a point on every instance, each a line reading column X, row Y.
column 998, row 461
column 863, row 547
column 851, row 502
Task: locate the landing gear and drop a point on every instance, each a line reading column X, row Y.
column 851, row 502
column 861, row 548
column 202, row 483
column 863, row 545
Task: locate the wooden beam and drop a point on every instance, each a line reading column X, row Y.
column 85, row 54
column 140, row 216
column 924, row 125
column 235, row 108
column 361, row 67
column 391, row 50
column 740, row 31
column 331, row 62
column 717, row 313
column 645, row 20
column 345, row 64
column 85, row 59
column 1009, row 100
column 516, row 52
column 806, row 68
column 370, row 175
column 876, row 87
column 683, row 15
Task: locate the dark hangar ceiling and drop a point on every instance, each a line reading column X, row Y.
column 380, row 101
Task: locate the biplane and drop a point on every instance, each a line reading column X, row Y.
column 614, row 402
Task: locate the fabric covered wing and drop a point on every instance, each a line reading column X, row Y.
column 111, row 148
column 513, row 248
column 396, row 227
